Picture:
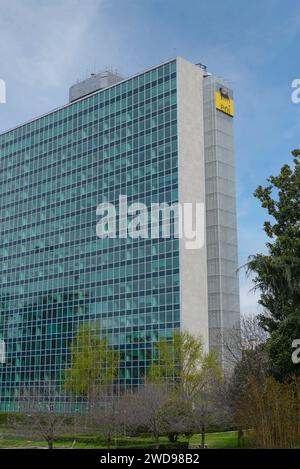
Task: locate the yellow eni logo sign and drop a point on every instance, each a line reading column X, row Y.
column 224, row 102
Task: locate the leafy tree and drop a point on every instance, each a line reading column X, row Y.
column 182, row 361
column 195, row 374
column 94, row 365
column 277, row 273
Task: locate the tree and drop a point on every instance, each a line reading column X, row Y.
column 205, row 403
column 245, row 347
column 177, row 417
column 195, row 374
column 94, row 365
column 245, row 352
column 42, row 414
column 105, row 416
column 130, row 423
column 271, row 409
column 277, row 273
column 180, row 362
column 149, row 402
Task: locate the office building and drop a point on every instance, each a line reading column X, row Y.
column 162, row 136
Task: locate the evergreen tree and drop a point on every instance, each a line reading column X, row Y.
column 277, row 273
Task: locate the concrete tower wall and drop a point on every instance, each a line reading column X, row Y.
column 191, row 173
column 222, row 258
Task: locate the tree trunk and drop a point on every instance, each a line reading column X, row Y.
column 50, row 444
column 202, row 436
column 240, row 438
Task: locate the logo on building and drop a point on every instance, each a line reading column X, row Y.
column 2, row 92
column 224, row 101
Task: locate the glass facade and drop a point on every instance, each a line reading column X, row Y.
column 55, row 273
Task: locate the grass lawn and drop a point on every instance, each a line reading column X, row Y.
column 213, row 440
column 221, row 440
